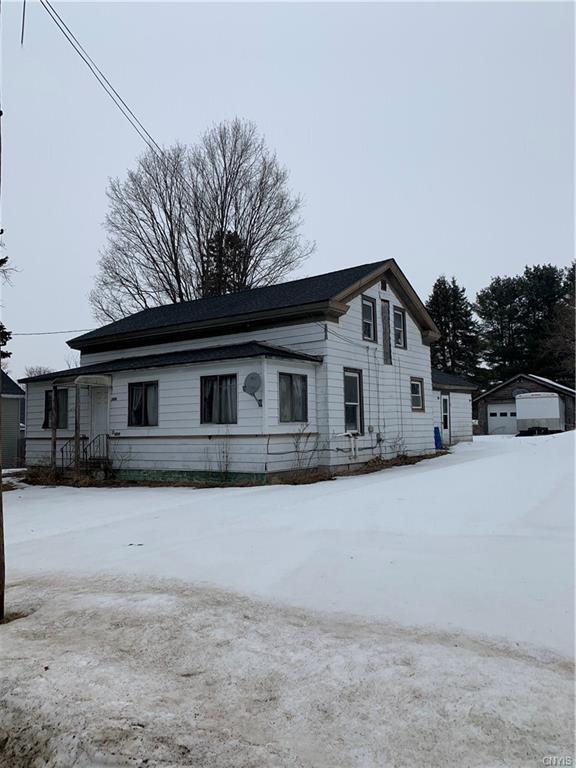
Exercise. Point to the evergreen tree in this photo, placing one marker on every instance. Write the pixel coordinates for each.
(5, 335)
(457, 350)
(560, 341)
(518, 318)
(226, 264)
(501, 312)
(543, 288)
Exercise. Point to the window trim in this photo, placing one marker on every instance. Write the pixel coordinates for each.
(293, 421)
(47, 420)
(372, 302)
(386, 332)
(402, 312)
(420, 381)
(218, 376)
(148, 382)
(358, 373)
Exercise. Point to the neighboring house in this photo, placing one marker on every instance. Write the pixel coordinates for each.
(497, 406)
(452, 406)
(328, 371)
(12, 444)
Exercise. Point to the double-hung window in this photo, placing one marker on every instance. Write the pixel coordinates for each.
(218, 399)
(369, 318)
(293, 397)
(417, 394)
(353, 407)
(399, 327)
(62, 409)
(143, 404)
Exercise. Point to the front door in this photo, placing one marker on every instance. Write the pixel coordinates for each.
(445, 420)
(98, 411)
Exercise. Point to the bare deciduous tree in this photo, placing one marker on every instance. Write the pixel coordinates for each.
(201, 221)
(36, 370)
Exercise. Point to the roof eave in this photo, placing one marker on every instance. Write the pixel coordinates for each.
(535, 379)
(402, 286)
(330, 309)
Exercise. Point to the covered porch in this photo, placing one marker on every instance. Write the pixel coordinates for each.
(88, 448)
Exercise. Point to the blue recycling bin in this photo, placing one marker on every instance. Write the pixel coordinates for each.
(437, 439)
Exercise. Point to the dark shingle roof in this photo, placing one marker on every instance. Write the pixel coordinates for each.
(309, 290)
(207, 354)
(10, 387)
(447, 380)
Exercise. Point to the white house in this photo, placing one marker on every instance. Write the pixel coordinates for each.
(328, 371)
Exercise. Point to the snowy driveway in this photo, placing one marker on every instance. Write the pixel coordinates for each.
(480, 540)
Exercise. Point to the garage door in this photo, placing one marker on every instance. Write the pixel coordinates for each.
(502, 418)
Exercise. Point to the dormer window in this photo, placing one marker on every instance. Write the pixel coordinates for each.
(368, 318)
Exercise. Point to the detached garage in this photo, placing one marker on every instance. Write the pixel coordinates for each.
(497, 406)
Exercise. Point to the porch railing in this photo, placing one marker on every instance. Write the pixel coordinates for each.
(92, 454)
(96, 450)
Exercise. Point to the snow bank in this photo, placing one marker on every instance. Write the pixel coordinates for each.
(115, 672)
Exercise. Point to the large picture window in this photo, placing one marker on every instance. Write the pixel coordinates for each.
(143, 404)
(62, 399)
(399, 327)
(293, 397)
(218, 399)
(368, 318)
(353, 406)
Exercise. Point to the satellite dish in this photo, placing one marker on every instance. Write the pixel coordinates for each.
(252, 383)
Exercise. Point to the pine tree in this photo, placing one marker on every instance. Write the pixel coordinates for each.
(5, 335)
(518, 318)
(560, 337)
(225, 265)
(543, 287)
(500, 309)
(457, 350)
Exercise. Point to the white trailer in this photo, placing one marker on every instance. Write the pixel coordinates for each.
(539, 412)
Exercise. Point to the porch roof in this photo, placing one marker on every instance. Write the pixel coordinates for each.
(184, 357)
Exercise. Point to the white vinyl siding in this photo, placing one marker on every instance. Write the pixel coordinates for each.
(260, 441)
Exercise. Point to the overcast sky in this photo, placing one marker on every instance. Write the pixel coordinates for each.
(437, 134)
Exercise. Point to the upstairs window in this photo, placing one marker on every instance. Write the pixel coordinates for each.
(399, 327)
(143, 404)
(62, 402)
(417, 394)
(353, 407)
(219, 399)
(368, 318)
(293, 396)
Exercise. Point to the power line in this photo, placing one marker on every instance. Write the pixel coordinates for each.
(101, 78)
(52, 333)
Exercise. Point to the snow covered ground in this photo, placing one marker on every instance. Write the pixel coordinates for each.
(480, 540)
(181, 626)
